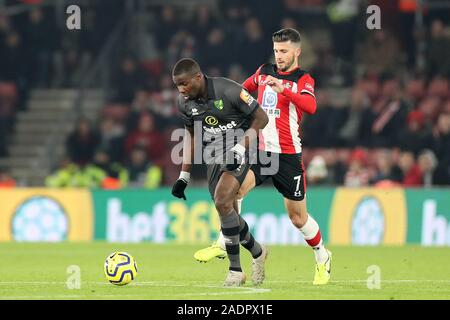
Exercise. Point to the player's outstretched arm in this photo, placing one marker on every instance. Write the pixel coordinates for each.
(188, 154)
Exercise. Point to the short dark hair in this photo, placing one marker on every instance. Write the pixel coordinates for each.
(186, 65)
(287, 34)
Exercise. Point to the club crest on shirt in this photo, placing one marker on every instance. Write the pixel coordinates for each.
(218, 104)
(246, 97)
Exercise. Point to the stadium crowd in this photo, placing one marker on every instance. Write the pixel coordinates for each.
(383, 118)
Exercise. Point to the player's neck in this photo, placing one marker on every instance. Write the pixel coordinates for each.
(204, 91)
(291, 68)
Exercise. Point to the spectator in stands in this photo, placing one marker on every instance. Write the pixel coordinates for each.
(63, 176)
(82, 142)
(141, 104)
(236, 73)
(256, 43)
(320, 129)
(386, 117)
(112, 139)
(142, 173)
(415, 89)
(69, 67)
(116, 176)
(343, 16)
(233, 24)
(40, 45)
(439, 49)
(5, 29)
(167, 24)
(202, 22)
(6, 180)
(317, 172)
(162, 104)
(385, 169)
(71, 175)
(129, 80)
(439, 87)
(412, 175)
(351, 128)
(441, 147)
(308, 56)
(212, 54)
(415, 136)
(357, 174)
(182, 44)
(381, 53)
(13, 63)
(3, 135)
(146, 135)
(8, 103)
(430, 107)
(336, 167)
(427, 163)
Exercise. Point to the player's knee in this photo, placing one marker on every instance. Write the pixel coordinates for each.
(223, 204)
(298, 220)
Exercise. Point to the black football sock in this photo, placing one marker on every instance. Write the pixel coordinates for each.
(230, 230)
(247, 240)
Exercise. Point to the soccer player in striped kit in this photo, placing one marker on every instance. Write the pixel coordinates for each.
(285, 92)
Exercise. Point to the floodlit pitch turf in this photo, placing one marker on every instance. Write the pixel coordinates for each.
(39, 271)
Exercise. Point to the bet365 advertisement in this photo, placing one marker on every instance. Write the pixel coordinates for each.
(346, 216)
(136, 215)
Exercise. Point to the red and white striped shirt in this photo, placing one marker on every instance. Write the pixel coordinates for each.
(281, 134)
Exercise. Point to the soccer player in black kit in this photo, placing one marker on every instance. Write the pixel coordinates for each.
(219, 106)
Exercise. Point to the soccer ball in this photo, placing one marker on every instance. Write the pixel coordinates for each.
(120, 268)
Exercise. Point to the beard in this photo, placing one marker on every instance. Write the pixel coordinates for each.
(287, 65)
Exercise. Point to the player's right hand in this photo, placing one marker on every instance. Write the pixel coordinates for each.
(178, 188)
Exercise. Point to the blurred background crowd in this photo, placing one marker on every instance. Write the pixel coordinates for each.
(383, 96)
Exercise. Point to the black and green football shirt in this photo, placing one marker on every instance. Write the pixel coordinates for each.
(222, 117)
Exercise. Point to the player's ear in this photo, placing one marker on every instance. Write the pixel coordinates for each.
(298, 52)
(198, 76)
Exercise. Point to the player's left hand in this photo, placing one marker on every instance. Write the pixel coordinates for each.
(234, 158)
(274, 83)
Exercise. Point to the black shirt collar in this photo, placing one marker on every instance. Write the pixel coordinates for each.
(210, 88)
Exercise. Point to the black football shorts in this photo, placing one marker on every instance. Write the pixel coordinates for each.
(288, 176)
(214, 172)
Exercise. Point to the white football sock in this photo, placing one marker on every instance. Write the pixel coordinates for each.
(311, 233)
(221, 241)
(239, 205)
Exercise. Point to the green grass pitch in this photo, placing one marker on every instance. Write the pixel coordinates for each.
(169, 271)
